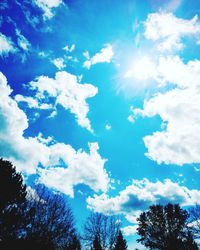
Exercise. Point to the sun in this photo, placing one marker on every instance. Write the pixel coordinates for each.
(142, 68)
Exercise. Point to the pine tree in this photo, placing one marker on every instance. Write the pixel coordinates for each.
(121, 243)
(12, 198)
(96, 243)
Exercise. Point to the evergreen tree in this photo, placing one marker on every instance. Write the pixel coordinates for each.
(12, 198)
(96, 243)
(121, 243)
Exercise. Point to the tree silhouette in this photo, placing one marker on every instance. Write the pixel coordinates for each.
(52, 219)
(33, 218)
(12, 198)
(165, 228)
(121, 243)
(105, 228)
(96, 243)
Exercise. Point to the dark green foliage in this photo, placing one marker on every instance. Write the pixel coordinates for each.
(12, 198)
(121, 243)
(165, 228)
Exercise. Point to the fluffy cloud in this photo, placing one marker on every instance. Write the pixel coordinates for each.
(47, 6)
(139, 196)
(104, 56)
(179, 108)
(129, 230)
(83, 168)
(63, 166)
(26, 153)
(168, 30)
(66, 91)
(6, 45)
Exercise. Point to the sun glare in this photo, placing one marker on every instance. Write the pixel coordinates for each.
(142, 69)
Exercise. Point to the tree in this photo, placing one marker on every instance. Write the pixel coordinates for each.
(52, 219)
(96, 243)
(194, 220)
(105, 228)
(12, 199)
(165, 228)
(121, 243)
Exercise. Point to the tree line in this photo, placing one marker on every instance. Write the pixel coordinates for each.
(39, 218)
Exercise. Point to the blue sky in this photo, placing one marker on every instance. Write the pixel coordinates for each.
(100, 101)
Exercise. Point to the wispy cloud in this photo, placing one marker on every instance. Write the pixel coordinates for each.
(48, 6)
(104, 56)
(6, 45)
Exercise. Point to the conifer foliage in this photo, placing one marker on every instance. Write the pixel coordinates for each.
(121, 243)
(12, 199)
(96, 244)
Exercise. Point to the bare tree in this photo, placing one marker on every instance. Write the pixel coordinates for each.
(104, 228)
(194, 220)
(52, 219)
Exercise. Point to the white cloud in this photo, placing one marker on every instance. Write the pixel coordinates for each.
(47, 6)
(108, 127)
(22, 41)
(32, 102)
(104, 56)
(168, 30)
(59, 63)
(6, 45)
(129, 230)
(83, 168)
(69, 49)
(179, 108)
(63, 166)
(26, 153)
(68, 92)
(139, 196)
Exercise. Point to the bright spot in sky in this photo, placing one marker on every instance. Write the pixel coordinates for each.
(142, 69)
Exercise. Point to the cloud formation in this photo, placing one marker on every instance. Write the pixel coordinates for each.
(59, 63)
(48, 6)
(6, 45)
(104, 56)
(22, 41)
(83, 168)
(179, 109)
(141, 194)
(168, 30)
(63, 166)
(65, 90)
